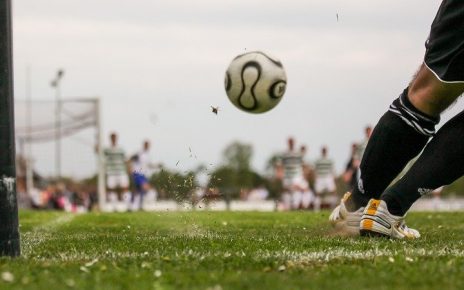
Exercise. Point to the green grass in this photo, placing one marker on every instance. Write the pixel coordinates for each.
(231, 250)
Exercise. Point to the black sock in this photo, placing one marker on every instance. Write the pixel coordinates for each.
(441, 163)
(399, 136)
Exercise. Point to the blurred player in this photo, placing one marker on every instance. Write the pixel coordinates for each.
(117, 179)
(351, 168)
(325, 178)
(363, 144)
(141, 169)
(291, 163)
(403, 132)
(357, 150)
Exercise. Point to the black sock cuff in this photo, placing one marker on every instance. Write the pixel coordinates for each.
(422, 123)
(404, 98)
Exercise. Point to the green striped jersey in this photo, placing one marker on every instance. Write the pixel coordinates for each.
(324, 166)
(115, 161)
(293, 165)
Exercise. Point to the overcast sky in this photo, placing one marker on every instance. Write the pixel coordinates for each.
(158, 66)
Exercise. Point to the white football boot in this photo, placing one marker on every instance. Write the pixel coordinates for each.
(378, 221)
(344, 221)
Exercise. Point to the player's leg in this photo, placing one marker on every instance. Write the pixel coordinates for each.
(441, 163)
(307, 198)
(286, 199)
(438, 84)
(146, 187)
(332, 189)
(306, 194)
(126, 194)
(428, 96)
(135, 191)
(296, 199)
(111, 185)
(398, 137)
(403, 131)
(318, 190)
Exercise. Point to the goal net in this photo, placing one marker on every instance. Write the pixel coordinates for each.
(59, 139)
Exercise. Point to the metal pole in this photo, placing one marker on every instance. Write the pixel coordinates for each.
(56, 84)
(101, 188)
(9, 233)
(29, 165)
(58, 132)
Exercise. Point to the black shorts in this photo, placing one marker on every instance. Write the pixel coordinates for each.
(444, 54)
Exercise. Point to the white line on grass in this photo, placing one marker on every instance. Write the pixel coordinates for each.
(42, 233)
(344, 254)
(296, 258)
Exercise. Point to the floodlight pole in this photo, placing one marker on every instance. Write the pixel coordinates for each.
(9, 233)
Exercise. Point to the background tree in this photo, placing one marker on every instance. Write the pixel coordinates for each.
(238, 156)
(174, 185)
(236, 174)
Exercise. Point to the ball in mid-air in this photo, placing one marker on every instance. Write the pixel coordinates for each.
(255, 82)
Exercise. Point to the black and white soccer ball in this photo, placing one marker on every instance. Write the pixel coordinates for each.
(255, 82)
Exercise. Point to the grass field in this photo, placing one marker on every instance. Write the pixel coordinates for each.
(228, 250)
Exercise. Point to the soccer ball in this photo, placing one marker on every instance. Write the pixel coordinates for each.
(255, 82)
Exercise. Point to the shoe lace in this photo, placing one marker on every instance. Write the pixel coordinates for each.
(402, 225)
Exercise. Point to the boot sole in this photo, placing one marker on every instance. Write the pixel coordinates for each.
(369, 233)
